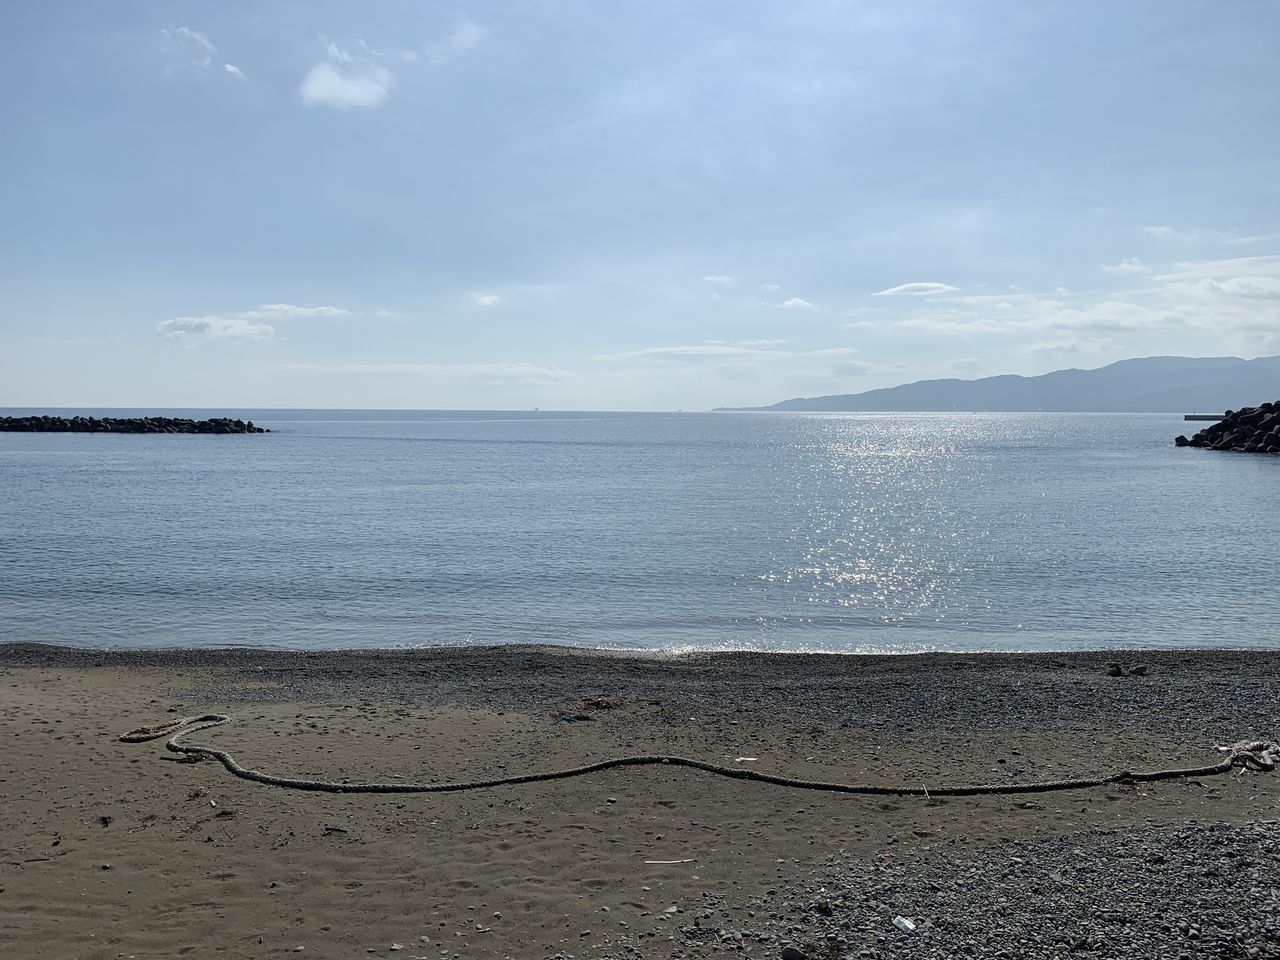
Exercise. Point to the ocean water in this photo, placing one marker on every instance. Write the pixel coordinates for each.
(835, 532)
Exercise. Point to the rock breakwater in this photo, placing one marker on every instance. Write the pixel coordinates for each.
(46, 424)
(1248, 430)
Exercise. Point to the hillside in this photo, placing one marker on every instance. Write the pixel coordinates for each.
(1142, 385)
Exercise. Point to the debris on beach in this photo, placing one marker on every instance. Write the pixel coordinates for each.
(568, 716)
(1118, 670)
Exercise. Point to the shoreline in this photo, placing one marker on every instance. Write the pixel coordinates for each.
(23, 648)
(153, 858)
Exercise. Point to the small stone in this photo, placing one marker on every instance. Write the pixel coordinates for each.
(792, 953)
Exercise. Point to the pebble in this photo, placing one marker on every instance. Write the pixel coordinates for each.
(1132, 894)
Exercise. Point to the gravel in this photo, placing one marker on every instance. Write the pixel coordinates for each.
(1191, 892)
(1193, 691)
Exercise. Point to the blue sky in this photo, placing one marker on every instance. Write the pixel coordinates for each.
(625, 205)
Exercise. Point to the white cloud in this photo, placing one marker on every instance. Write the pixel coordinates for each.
(1223, 269)
(1072, 345)
(486, 299)
(1264, 288)
(833, 352)
(1127, 265)
(243, 325)
(923, 288)
(718, 278)
(771, 287)
(336, 53)
(1235, 300)
(693, 351)
(714, 350)
(184, 48)
(797, 303)
(490, 374)
(346, 88)
(234, 71)
(1035, 314)
(213, 328)
(1198, 234)
(289, 311)
(1268, 287)
(1256, 238)
(466, 36)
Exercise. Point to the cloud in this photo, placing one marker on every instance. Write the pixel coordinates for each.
(694, 351)
(967, 365)
(924, 288)
(1264, 288)
(1035, 314)
(213, 328)
(1198, 234)
(289, 311)
(1236, 300)
(360, 86)
(488, 374)
(1072, 345)
(1256, 238)
(486, 299)
(797, 303)
(771, 287)
(244, 324)
(186, 49)
(713, 350)
(234, 71)
(336, 53)
(752, 360)
(1128, 265)
(466, 36)
(1223, 269)
(718, 278)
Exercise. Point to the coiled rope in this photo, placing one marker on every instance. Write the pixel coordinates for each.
(1253, 755)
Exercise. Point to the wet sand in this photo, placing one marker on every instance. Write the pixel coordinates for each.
(113, 850)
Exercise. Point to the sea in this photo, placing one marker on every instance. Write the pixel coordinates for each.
(848, 533)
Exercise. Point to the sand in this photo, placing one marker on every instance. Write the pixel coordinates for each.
(111, 850)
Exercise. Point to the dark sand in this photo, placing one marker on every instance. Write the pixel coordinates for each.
(109, 850)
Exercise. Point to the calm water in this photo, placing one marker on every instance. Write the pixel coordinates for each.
(725, 531)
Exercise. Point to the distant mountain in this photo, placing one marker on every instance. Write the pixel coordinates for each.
(1143, 385)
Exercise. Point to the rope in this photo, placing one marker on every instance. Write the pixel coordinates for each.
(1252, 755)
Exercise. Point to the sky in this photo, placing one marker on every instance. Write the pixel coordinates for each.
(656, 205)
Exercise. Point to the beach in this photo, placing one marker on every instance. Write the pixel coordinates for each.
(113, 850)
